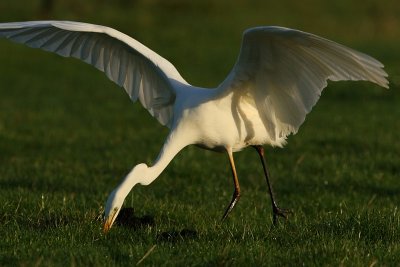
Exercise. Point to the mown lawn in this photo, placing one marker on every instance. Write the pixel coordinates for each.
(68, 135)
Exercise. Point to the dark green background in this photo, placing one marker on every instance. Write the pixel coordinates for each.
(68, 135)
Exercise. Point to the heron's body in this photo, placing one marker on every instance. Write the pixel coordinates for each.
(277, 79)
(200, 110)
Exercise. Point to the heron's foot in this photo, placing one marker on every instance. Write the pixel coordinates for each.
(278, 212)
(234, 200)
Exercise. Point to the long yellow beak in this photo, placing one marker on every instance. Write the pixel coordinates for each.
(107, 225)
(109, 221)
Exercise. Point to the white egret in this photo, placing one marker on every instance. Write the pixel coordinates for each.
(277, 79)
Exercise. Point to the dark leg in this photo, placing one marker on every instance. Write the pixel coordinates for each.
(236, 193)
(275, 209)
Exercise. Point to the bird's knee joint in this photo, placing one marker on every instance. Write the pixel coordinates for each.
(237, 194)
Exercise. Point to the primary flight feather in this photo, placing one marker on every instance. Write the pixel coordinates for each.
(277, 79)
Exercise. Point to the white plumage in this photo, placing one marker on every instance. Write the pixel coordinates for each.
(277, 79)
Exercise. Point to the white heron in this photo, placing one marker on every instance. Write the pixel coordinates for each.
(277, 79)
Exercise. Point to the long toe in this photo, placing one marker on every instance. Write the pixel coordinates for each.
(278, 212)
(228, 210)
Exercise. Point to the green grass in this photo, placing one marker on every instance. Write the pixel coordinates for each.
(68, 135)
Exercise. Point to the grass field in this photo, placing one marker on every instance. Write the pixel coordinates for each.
(68, 135)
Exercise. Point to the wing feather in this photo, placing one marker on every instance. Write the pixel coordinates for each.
(285, 71)
(143, 73)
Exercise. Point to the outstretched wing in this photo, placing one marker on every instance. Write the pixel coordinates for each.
(285, 70)
(144, 74)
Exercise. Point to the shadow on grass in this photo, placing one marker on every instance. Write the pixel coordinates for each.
(126, 218)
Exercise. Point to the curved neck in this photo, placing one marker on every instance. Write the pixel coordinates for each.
(145, 175)
(171, 147)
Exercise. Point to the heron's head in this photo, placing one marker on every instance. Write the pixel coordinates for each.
(117, 197)
(113, 206)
